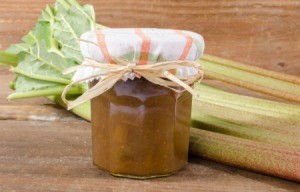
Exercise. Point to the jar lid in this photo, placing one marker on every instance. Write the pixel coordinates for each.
(141, 46)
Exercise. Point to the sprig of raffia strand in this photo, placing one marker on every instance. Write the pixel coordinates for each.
(109, 74)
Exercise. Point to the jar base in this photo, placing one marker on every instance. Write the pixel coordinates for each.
(136, 176)
(139, 177)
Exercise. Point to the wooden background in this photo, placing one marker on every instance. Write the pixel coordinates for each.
(260, 32)
(45, 148)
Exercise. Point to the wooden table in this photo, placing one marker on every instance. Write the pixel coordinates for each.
(45, 148)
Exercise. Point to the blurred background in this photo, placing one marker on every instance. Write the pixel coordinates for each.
(264, 33)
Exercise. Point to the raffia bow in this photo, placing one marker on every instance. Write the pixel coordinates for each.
(157, 73)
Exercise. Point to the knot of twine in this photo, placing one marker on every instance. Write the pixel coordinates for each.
(109, 74)
(131, 66)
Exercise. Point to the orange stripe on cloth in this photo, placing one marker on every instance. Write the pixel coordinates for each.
(188, 45)
(103, 47)
(146, 43)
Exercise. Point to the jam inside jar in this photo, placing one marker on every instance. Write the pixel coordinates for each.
(140, 129)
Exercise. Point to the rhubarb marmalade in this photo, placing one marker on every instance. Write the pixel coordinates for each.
(140, 129)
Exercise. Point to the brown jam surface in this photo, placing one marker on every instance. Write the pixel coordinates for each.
(140, 129)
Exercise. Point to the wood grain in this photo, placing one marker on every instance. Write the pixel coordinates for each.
(39, 156)
(45, 148)
(262, 33)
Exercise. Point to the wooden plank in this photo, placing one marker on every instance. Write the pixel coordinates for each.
(51, 112)
(262, 33)
(54, 153)
(39, 156)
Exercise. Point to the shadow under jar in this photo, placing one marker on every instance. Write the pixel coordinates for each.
(140, 129)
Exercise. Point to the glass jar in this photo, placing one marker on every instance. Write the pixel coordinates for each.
(140, 129)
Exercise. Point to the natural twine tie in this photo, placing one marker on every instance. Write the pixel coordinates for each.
(109, 74)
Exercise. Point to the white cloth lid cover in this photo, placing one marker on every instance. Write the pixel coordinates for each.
(142, 46)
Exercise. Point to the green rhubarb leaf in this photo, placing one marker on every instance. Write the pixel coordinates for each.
(24, 84)
(43, 31)
(70, 26)
(62, 6)
(49, 48)
(38, 63)
(17, 48)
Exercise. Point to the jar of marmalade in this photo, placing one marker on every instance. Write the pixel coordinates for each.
(141, 129)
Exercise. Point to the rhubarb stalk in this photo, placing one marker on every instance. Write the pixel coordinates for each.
(254, 78)
(249, 111)
(253, 132)
(8, 59)
(275, 160)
